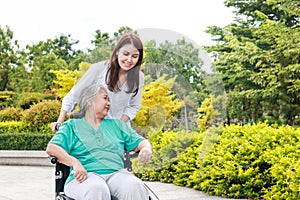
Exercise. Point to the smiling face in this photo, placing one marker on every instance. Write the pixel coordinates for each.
(101, 104)
(128, 57)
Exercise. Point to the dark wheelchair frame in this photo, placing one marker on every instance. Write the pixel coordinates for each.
(62, 172)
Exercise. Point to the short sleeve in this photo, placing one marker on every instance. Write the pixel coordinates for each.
(64, 137)
(131, 138)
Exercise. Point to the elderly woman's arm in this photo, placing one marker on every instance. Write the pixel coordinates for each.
(62, 156)
(145, 151)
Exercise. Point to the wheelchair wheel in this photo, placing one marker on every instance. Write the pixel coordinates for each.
(63, 197)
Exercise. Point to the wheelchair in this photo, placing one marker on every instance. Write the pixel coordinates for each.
(62, 172)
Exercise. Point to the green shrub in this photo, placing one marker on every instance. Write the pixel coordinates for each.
(167, 147)
(10, 114)
(14, 127)
(26, 99)
(22, 127)
(284, 159)
(251, 162)
(42, 113)
(187, 163)
(6, 99)
(24, 141)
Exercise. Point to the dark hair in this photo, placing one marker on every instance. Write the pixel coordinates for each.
(133, 75)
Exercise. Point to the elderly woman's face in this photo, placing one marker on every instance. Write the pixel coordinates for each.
(101, 103)
(128, 56)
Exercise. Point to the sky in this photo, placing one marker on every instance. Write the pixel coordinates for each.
(38, 20)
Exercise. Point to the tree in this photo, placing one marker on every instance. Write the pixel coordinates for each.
(174, 59)
(103, 47)
(178, 59)
(62, 47)
(10, 61)
(104, 44)
(41, 78)
(258, 57)
(158, 104)
(53, 54)
(66, 79)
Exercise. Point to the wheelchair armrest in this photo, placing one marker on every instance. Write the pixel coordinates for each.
(133, 154)
(127, 159)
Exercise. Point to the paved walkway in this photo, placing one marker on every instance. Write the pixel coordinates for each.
(34, 182)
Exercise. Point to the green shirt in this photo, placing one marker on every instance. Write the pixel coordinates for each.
(100, 151)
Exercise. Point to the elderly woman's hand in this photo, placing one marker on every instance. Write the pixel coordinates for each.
(145, 155)
(79, 171)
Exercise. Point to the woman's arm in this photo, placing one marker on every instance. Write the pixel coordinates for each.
(60, 120)
(62, 156)
(91, 76)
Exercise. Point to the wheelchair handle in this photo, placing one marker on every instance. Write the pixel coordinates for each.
(57, 125)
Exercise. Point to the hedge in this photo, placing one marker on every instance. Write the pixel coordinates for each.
(253, 161)
(24, 141)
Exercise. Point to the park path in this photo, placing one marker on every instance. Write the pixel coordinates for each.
(37, 182)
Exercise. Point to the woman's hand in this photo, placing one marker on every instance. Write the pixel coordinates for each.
(125, 118)
(61, 118)
(55, 126)
(145, 155)
(79, 171)
(62, 156)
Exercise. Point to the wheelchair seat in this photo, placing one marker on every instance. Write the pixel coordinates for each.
(62, 172)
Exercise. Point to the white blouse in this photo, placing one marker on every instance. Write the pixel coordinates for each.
(120, 102)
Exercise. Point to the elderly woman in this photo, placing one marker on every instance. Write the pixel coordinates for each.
(93, 146)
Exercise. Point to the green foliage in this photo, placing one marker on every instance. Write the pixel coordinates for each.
(65, 80)
(42, 113)
(62, 47)
(187, 163)
(167, 147)
(24, 141)
(285, 164)
(205, 114)
(104, 44)
(211, 112)
(6, 98)
(13, 127)
(178, 59)
(258, 57)
(10, 114)
(252, 161)
(83, 67)
(41, 77)
(158, 102)
(9, 57)
(175, 59)
(26, 99)
(244, 163)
